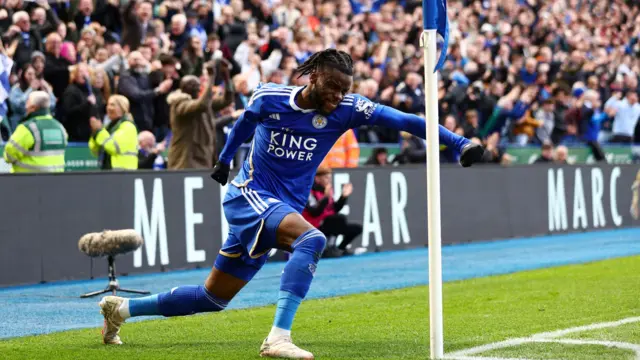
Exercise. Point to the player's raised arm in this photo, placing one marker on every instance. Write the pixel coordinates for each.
(367, 112)
(244, 127)
(398, 120)
(241, 131)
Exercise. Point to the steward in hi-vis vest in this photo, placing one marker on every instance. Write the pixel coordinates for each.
(39, 142)
(116, 146)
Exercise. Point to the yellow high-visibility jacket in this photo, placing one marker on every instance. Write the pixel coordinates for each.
(118, 143)
(37, 144)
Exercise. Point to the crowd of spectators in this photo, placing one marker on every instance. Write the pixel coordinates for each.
(517, 71)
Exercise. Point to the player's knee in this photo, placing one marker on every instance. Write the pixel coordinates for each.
(242, 267)
(312, 241)
(209, 302)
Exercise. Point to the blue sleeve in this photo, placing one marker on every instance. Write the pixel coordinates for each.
(518, 111)
(364, 112)
(244, 127)
(394, 119)
(355, 7)
(367, 113)
(398, 120)
(377, 4)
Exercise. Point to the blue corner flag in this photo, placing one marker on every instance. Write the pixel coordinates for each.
(434, 17)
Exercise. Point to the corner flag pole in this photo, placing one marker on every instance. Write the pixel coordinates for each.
(434, 17)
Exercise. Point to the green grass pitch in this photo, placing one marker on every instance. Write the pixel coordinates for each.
(393, 324)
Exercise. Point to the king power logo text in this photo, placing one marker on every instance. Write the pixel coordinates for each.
(290, 146)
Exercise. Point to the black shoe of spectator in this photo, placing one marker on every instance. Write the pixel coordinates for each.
(473, 153)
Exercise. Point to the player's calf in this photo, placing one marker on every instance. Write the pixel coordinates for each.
(182, 300)
(299, 271)
(188, 300)
(294, 286)
(179, 301)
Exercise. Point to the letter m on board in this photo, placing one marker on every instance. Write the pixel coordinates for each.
(557, 209)
(153, 229)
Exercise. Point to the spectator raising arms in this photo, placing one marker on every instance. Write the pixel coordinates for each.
(168, 71)
(516, 73)
(194, 128)
(23, 38)
(135, 86)
(137, 23)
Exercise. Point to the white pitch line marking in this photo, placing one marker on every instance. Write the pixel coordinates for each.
(616, 344)
(551, 336)
(596, 326)
(486, 347)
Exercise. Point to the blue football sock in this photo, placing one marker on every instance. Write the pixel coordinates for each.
(187, 300)
(449, 138)
(297, 276)
(287, 307)
(147, 305)
(298, 273)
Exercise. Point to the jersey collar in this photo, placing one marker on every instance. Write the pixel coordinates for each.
(292, 100)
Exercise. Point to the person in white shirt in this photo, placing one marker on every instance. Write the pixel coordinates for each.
(625, 112)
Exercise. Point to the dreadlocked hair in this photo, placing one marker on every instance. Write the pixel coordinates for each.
(337, 59)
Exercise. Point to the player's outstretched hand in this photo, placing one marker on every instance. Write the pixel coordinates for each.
(220, 173)
(473, 153)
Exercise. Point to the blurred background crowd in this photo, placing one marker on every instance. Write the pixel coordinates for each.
(518, 72)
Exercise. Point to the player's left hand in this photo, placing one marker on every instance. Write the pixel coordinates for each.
(220, 173)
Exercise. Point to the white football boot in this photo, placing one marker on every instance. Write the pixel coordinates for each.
(109, 306)
(282, 347)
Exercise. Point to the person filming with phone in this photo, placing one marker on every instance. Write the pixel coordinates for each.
(322, 212)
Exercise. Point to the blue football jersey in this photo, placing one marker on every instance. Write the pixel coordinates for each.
(289, 143)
